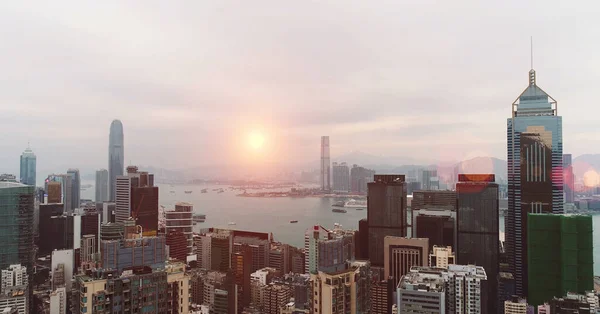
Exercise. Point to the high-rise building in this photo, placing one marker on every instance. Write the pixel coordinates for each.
(139, 289)
(116, 156)
(573, 303)
(63, 266)
(400, 254)
(478, 230)
(179, 288)
(15, 289)
(101, 186)
(28, 167)
(180, 219)
(441, 257)
(535, 148)
(386, 213)
(240, 263)
(328, 250)
(341, 177)
(54, 192)
(137, 197)
(325, 164)
(568, 178)
(58, 301)
(177, 243)
(345, 291)
(275, 296)
(559, 257)
(76, 189)
(438, 290)
(16, 239)
(359, 178)
(516, 305)
(221, 245)
(133, 252)
(434, 217)
(382, 296)
(429, 179)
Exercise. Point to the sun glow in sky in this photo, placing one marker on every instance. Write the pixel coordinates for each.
(256, 140)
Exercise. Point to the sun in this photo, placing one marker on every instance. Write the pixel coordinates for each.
(256, 140)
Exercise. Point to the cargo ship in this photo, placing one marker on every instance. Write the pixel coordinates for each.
(338, 210)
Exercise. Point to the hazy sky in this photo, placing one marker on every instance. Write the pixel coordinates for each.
(191, 79)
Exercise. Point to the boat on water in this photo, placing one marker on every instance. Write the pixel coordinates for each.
(171, 191)
(351, 203)
(199, 217)
(231, 223)
(339, 210)
(220, 191)
(188, 192)
(293, 221)
(360, 208)
(204, 191)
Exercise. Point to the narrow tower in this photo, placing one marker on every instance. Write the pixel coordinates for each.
(116, 156)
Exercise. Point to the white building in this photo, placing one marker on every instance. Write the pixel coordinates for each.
(14, 293)
(437, 290)
(62, 265)
(58, 301)
(515, 306)
(15, 275)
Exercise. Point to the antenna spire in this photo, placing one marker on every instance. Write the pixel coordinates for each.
(531, 41)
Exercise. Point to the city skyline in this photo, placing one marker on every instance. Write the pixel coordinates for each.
(291, 88)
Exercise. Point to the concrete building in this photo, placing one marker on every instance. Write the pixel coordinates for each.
(14, 292)
(116, 157)
(53, 189)
(28, 167)
(535, 149)
(58, 301)
(63, 266)
(341, 177)
(345, 291)
(135, 252)
(180, 219)
(178, 288)
(386, 213)
(429, 179)
(328, 250)
(135, 289)
(137, 198)
(478, 229)
(325, 177)
(101, 186)
(441, 257)
(16, 240)
(382, 296)
(438, 290)
(517, 305)
(275, 296)
(434, 217)
(400, 254)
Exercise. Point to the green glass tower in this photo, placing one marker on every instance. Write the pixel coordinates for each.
(560, 256)
(16, 224)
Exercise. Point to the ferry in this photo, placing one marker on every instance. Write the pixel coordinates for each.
(204, 191)
(293, 221)
(188, 192)
(199, 217)
(231, 223)
(351, 204)
(339, 210)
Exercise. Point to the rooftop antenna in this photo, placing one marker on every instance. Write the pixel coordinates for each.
(531, 40)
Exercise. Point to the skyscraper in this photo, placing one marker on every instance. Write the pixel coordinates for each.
(477, 230)
(28, 167)
(325, 164)
(16, 239)
(359, 178)
(341, 177)
(535, 181)
(400, 254)
(568, 178)
(101, 186)
(116, 155)
(386, 213)
(180, 220)
(137, 197)
(76, 188)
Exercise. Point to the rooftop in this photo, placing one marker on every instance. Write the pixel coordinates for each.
(9, 184)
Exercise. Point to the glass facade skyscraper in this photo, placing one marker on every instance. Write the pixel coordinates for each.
(535, 177)
(116, 156)
(16, 233)
(28, 167)
(325, 177)
(75, 188)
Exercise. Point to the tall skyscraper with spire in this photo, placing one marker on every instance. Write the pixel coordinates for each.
(28, 167)
(535, 178)
(325, 164)
(116, 156)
